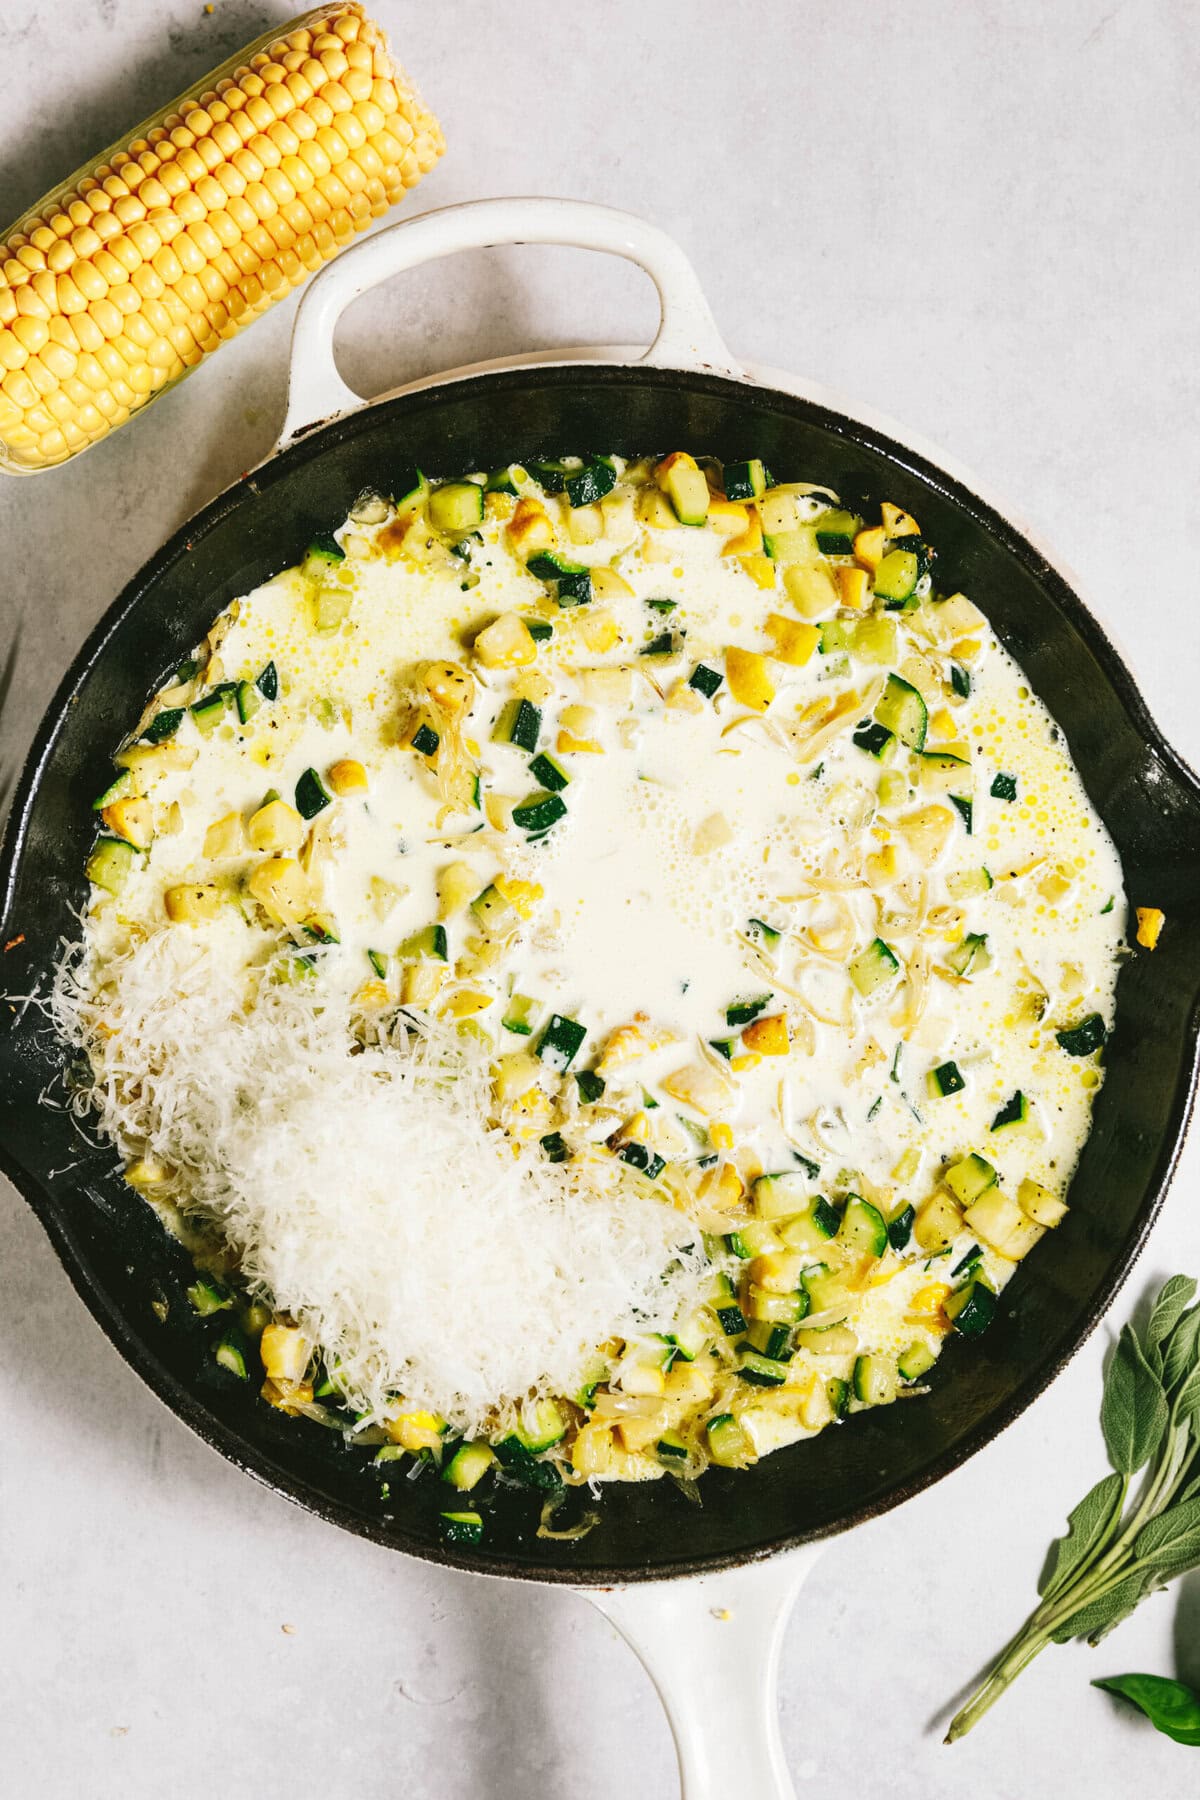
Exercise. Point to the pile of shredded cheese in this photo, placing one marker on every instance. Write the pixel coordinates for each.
(362, 1189)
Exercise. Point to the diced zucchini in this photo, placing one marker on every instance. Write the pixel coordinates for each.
(762, 1370)
(593, 481)
(572, 581)
(520, 723)
(811, 1227)
(1085, 1038)
(896, 578)
(456, 507)
(520, 1013)
(745, 480)
(968, 1178)
(900, 1227)
(425, 740)
(671, 1449)
(560, 1042)
(728, 1443)
(662, 645)
(874, 1380)
(539, 630)
(312, 796)
(1013, 1112)
(208, 711)
(915, 1360)
(763, 933)
(942, 770)
(875, 639)
(863, 1230)
(945, 1080)
(590, 1085)
(542, 1425)
(552, 473)
(827, 1340)
(110, 863)
(974, 1255)
(539, 812)
(230, 1353)
(547, 770)
(824, 1287)
(1004, 787)
(507, 480)
(724, 1302)
(163, 725)
(994, 1218)
(123, 788)
(249, 700)
(960, 680)
(967, 884)
(461, 1527)
(839, 1396)
(555, 1147)
(647, 1162)
(781, 1196)
(873, 967)
(938, 1223)
(836, 531)
(468, 1466)
(706, 681)
(686, 487)
(379, 961)
(972, 956)
(966, 809)
(741, 1012)
(835, 638)
(971, 1308)
(330, 608)
(209, 1296)
(426, 945)
(323, 553)
(903, 711)
(1043, 1207)
(875, 739)
(267, 682)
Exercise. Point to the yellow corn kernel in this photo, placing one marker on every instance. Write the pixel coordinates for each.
(749, 678)
(466, 1002)
(869, 547)
(576, 726)
(275, 826)
(928, 1300)
(769, 1037)
(506, 643)
(729, 517)
(760, 569)
(748, 542)
(530, 1113)
(373, 995)
(522, 896)
(284, 1351)
(193, 902)
(907, 1165)
(1150, 921)
(794, 641)
(530, 529)
(721, 1135)
(747, 1060)
(224, 837)
(131, 819)
(852, 587)
(897, 523)
(234, 193)
(416, 1430)
(942, 723)
(347, 777)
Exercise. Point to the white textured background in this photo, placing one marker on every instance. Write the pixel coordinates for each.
(979, 217)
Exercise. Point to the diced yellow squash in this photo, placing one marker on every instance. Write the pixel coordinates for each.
(688, 1382)
(620, 521)
(608, 585)
(655, 510)
(585, 524)
(416, 1430)
(994, 1217)
(928, 1300)
(506, 643)
(745, 1061)
(146, 1172)
(499, 506)
(760, 569)
(465, 1003)
(700, 1086)
(957, 613)
(883, 866)
(794, 640)
(149, 761)
(852, 587)
(347, 776)
(577, 725)
(275, 826)
(515, 1073)
(420, 982)
(927, 831)
(876, 638)
(284, 1351)
(612, 687)
(729, 517)
(630, 1042)
(1043, 1207)
(811, 589)
(749, 678)
(530, 529)
(897, 523)
(942, 723)
(457, 886)
(131, 819)
(686, 486)
(193, 902)
(938, 1222)
(598, 630)
(721, 1134)
(522, 896)
(748, 542)
(372, 996)
(640, 1433)
(767, 1037)
(683, 697)
(721, 1188)
(779, 1270)
(225, 837)
(869, 547)
(1150, 921)
(712, 834)
(281, 886)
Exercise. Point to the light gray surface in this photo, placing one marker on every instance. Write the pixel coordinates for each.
(979, 218)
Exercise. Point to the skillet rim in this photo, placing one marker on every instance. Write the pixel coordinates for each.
(182, 1400)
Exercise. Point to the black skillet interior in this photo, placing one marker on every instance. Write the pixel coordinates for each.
(124, 1265)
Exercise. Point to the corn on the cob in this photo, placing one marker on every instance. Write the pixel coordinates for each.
(121, 280)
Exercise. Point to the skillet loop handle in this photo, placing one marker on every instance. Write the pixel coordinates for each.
(687, 336)
(711, 1647)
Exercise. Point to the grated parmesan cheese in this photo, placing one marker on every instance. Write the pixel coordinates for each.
(362, 1188)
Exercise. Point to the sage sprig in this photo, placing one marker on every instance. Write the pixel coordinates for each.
(1170, 1706)
(1121, 1546)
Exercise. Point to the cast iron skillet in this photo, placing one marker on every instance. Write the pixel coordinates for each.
(125, 1267)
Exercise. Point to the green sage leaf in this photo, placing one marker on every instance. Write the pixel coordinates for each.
(1187, 1400)
(1089, 1524)
(1175, 1297)
(1182, 1348)
(1172, 1537)
(1170, 1706)
(1102, 1613)
(1133, 1412)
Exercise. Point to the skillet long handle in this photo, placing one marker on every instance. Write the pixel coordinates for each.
(711, 1646)
(687, 338)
